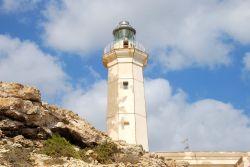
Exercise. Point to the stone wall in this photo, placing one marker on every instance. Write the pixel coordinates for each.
(211, 159)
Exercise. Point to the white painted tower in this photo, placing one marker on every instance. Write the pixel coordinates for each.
(125, 59)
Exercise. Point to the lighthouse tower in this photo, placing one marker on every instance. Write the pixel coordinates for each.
(125, 59)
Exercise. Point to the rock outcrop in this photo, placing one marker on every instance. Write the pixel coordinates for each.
(23, 113)
(25, 122)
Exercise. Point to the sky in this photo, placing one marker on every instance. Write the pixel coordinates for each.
(196, 81)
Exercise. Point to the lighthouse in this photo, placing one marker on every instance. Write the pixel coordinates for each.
(125, 60)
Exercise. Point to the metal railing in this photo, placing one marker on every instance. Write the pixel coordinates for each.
(119, 45)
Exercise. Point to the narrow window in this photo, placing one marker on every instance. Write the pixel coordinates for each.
(125, 84)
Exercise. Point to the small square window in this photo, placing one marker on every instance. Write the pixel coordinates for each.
(125, 84)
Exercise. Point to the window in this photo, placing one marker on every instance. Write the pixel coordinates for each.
(125, 84)
(125, 123)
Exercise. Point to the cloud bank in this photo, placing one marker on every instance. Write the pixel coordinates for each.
(179, 34)
(208, 124)
(24, 62)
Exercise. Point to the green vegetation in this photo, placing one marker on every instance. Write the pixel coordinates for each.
(105, 152)
(57, 146)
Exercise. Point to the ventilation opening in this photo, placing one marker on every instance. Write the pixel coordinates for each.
(125, 84)
(125, 44)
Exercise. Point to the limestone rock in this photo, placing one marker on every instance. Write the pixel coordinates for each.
(1, 134)
(19, 91)
(182, 164)
(74, 128)
(89, 152)
(24, 142)
(22, 113)
(173, 163)
(132, 149)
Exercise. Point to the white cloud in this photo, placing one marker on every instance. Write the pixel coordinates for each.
(180, 34)
(246, 61)
(11, 6)
(235, 17)
(208, 124)
(89, 104)
(24, 62)
(245, 75)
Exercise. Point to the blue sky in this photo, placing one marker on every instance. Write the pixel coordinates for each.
(197, 78)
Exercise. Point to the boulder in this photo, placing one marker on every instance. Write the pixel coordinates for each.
(19, 91)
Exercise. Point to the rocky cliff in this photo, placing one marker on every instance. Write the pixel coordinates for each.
(26, 123)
